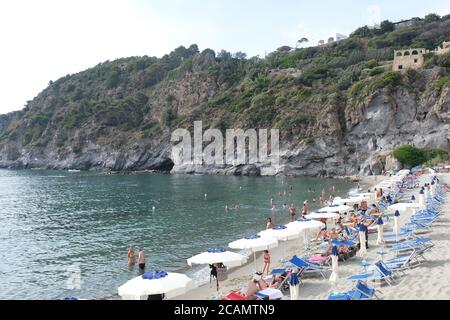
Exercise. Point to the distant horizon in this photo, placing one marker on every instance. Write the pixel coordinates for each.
(46, 47)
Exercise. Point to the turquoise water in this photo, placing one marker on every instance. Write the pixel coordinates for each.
(53, 222)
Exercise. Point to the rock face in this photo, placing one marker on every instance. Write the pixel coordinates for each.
(344, 139)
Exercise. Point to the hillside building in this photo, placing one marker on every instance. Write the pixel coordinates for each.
(407, 23)
(414, 58)
(444, 48)
(408, 59)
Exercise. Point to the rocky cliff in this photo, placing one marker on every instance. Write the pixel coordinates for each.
(338, 114)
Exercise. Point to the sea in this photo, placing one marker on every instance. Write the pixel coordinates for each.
(66, 234)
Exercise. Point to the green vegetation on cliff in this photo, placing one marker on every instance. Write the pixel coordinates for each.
(410, 156)
(136, 98)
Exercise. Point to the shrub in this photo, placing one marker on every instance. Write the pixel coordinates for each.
(391, 78)
(356, 89)
(444, 60)
(375, 71)
(409, 155)
(113, 79)
(412, 75)
(443, 82)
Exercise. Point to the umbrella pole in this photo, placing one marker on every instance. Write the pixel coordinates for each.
(254, 259)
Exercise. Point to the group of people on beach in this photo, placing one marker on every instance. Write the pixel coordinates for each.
(140, 258)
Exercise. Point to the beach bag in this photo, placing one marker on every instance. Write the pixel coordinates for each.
(222, 273)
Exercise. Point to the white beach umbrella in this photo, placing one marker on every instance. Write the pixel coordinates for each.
(403, 206)
(362, 240)
(254, 243)
(336, 208)
(281, 233)
(218, 255)
(294, 286)
(159, 282)
(380, 223)
(334, 264)
(304, 226)
(322, 215)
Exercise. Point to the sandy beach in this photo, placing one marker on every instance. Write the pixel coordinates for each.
(430, 280)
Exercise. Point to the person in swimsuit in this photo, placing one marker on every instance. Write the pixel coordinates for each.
(363, 206)
(141, 259)
(131, 258)
(292, 210)
(305, 208)
(323, 230)
(330, 200)
(256, 284)
(269, 224)
(266, 258)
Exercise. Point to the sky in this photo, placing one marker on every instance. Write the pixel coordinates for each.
(47, 39)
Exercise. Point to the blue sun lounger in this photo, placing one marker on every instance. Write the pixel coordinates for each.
(307, 267)
(361, 292)
(376, 272)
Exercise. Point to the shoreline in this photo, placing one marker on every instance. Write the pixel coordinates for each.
(240, 276)
(350, 178)
(318, 288)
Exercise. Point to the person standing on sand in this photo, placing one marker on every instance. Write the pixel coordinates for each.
(292, 210)
(266, 262)
(131, 258)
(141, 259)
(321, 199)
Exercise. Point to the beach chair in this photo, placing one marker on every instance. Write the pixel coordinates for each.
(360, 292)
(411, 259)
(307, 267)
(402, 236)
(412, 245)
(375, 273)
(388, 273)
(284, 273)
